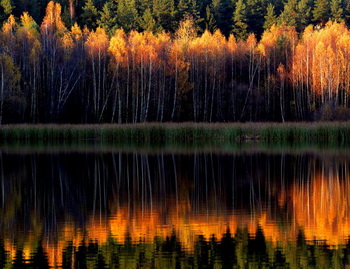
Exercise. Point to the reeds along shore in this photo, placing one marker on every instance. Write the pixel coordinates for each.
(327, 132)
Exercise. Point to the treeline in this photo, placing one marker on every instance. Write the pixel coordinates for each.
(229, 16)
(56, 73)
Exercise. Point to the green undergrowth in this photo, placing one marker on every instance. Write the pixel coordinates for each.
(182, 133)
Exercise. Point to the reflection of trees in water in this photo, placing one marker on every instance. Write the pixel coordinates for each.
(56, 186)
(238, 250)
(281, 193)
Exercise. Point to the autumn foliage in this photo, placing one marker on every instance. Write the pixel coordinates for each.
(81, 75)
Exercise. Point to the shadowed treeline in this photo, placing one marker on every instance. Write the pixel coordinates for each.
(55, 73)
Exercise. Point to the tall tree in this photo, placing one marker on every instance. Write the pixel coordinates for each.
(148, 23)
(6, 8)
(321, 11)
(346, 5)
(108, 18)
(188, 8)
(210, 22)
(289, 14)
(127, 15)
(223, 10)
(9, 80)
(270, 18)
(164, 11)
(30, 47)
(337, 12)
(303, 14)
(240, 21)
(256, 11)
(89, 16)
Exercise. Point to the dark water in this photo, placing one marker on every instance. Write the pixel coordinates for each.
(86, 208)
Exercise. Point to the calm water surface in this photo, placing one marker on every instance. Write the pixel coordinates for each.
(85, 208)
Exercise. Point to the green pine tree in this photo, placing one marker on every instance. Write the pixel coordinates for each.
(210, 23)
(337, 11)
(256, 11)
(346, 5)
(304, 14)
(223, 10)
(321, 12)
(240, 21)
(89, 16)
(164, 12)
(270, 18)
(5, 9)
(127, 15)
(142, 5)
(188, 8)
(289, 14)
(148, 23)
(108, 18)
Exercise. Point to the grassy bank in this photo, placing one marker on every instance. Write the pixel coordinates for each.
(201, 133)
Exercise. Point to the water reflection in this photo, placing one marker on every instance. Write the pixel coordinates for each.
(198, 210)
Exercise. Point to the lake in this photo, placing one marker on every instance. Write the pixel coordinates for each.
(110, 207)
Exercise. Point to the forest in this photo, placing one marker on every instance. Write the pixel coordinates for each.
(130, 61)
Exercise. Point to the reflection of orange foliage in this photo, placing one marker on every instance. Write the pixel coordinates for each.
(320, 208)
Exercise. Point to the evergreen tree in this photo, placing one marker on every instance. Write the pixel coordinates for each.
(89, 16)
(256, 11)
(210, 23)
(337, 11)
(239, 21)
(164, 11)
(142, 5)
(5, 9)
(147, 22)
(188, 8)
(304, 14)
(289, 14)
(127, 15)
(270, 18)
(321, 12)
(346, 13)
(108, 19)
(223, 15)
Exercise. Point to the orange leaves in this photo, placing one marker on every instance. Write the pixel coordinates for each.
(118, 46)
(323, 55)
(144, 47)
(209, 45)
(97, 43)
(231, 44)
(9, 26)
(52, 20)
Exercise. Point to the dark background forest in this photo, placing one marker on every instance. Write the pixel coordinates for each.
(163, 60)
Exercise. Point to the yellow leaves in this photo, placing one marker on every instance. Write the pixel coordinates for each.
(118, 46)
(10, 72)
(186, 31)
(231, 44)
(145, 47)
(52, 20)
(270, 40)
(77, 33)
(262, 49)
(97, 42)
(323, 54)
(251, 41)
(9, 26)
(67, 42)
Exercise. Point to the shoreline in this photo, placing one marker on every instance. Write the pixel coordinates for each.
(182, 133)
